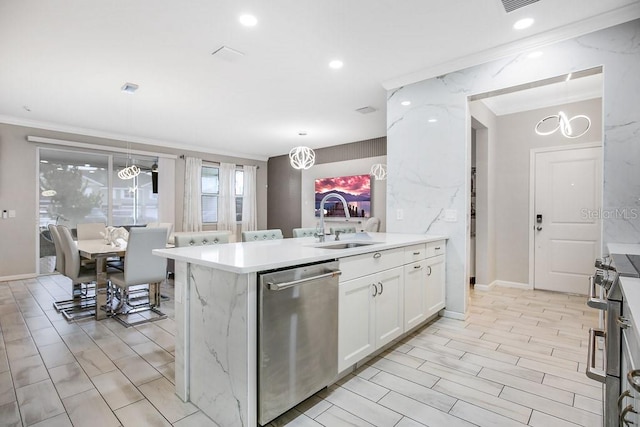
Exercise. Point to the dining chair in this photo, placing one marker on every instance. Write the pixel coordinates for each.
(55, 236)
(304, 232)
(90, 230)
(201, 238)
(82, 303)
(342, 230)
(143, 273)
(372, 224)
(167, 225)
(254, 236)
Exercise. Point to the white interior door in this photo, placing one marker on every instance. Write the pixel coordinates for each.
(567, 202)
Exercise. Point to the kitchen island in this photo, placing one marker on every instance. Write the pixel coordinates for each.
(216, 303)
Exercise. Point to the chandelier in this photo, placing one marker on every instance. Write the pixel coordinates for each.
(560, 121)
(129, 172)
(302, 157)
(379, 171)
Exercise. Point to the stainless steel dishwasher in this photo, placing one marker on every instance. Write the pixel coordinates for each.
(297, 335)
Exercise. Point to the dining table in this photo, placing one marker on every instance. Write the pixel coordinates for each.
(98, 250)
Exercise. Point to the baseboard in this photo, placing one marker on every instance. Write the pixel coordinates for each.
(483, 288)
(506, 284)
(453, 315)
(18, 277)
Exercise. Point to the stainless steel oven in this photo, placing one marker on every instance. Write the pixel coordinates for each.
(606, 295)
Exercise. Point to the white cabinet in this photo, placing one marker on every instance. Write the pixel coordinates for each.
(415, 294)
(435, 284)
(424, 283)
(384, 294)
(371, 314)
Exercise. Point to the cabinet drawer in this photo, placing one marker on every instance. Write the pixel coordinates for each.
(436, 248)
(415, 253)
(369, 263)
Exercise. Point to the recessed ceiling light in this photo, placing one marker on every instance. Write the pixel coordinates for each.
(248, 20)
(129, 87)
(523, 23)
(336, 64)
(534, 55)
(432, 120)
(405, 103)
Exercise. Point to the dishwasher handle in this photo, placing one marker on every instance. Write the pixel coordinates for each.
(273, 286)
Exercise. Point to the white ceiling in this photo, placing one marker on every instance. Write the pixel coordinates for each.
(62, 63)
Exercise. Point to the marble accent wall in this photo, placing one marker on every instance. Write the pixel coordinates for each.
(429, 162)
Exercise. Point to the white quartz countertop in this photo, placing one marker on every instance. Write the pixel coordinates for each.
(250, 257)
(624, 248)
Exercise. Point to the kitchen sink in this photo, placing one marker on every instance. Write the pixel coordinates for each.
(346, 245)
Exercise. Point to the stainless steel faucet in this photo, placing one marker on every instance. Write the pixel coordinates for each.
(322, 202)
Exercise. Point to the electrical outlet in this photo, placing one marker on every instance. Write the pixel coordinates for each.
(399, 214)
(12, 214)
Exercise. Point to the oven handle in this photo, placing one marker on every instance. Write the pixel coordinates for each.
(593, 373)
(594, 301)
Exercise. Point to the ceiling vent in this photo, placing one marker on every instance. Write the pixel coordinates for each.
(511, 5)
(366, 110)
(228, 54)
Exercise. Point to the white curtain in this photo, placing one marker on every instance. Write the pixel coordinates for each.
(227, 197)
(166, 190)
(192, 215)
(249, 215)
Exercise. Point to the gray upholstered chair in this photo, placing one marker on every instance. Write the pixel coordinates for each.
(372, 224)
(201, 238)
(167, 225)
(304, 232)
(81, 304)
(90, 231)
(258, 235)
(343, 230)
(141, 267)
(55, 236)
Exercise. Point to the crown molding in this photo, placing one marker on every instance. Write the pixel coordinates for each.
(605, 20)
(10, 120)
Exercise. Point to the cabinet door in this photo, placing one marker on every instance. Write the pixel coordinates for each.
(389, 305)
(356, 335)
(415, 294)
(435, 284)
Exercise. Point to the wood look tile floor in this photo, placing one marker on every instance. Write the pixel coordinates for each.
(518, 359)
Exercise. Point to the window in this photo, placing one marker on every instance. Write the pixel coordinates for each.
(74, 188)
(210, 193)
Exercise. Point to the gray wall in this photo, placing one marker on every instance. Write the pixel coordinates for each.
(19, 191)
(285, 183)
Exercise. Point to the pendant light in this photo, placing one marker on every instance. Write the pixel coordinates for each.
(379, 171)
(302, 157)
(571, 128)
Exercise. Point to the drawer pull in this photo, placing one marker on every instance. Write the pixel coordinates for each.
(416, 253)
(632, 379)
(624, 394)
(594, 301)
(623, 322)
(417, 267)
(381, 288)
(437, 248)
(623, 415)
(377, 255)
(375, 290)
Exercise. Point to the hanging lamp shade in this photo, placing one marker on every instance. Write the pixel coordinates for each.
(379, 171)
(302, 157)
